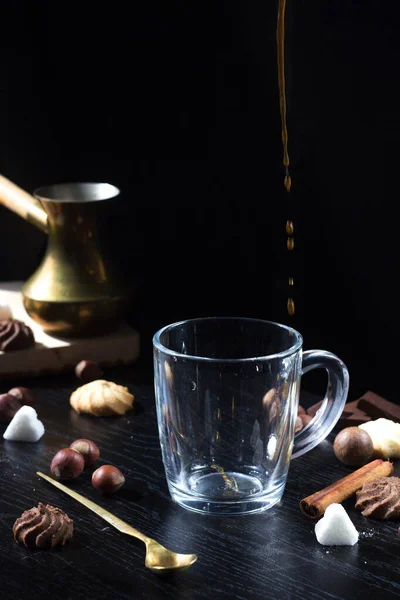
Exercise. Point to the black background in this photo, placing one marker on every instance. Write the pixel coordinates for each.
(176, 103)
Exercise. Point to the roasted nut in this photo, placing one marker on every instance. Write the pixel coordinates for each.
(272, 404)
(305, 419)
(88, 449)
(301, 410)
(88, 370)
(353, 446)
(107, 479)
(9, 405)
(299, 425)
(67, 464)
(24, 395)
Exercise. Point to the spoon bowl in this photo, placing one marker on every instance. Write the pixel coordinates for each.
(158, 558)
(162, 560)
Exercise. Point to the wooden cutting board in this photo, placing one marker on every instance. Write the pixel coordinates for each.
(56, 354)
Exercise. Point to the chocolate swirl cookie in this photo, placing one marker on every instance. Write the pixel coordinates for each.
(43, 527)
(15, 335)
(380, 499)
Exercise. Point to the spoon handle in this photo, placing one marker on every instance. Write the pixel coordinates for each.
(101, 512)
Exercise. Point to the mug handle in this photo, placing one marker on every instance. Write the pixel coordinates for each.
(332, 405)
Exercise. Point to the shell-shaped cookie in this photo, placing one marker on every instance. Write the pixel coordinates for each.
(102, 398)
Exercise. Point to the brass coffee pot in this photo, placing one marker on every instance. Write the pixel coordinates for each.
(75, 290)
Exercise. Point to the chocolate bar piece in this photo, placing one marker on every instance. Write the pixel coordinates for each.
(353, 419)
(377, 407)
(369, 406)
(349, 408)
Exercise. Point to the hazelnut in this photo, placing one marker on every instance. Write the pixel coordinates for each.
(88, 449)
(67, 464)
(88, 371)
(353, 446)
(9, 405)
(305, 419)
(301, 410)
(24, 395)
(299, 425)
(107, 479)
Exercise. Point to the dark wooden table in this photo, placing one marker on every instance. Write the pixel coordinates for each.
(270, 555)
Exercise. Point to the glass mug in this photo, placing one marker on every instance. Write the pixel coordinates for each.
(227, 392)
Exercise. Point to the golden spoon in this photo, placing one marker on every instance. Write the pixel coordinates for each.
(158, 559)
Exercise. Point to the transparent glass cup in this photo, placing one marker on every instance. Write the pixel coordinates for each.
(227, 392)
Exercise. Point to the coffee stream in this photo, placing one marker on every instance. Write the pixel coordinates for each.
(280, 39)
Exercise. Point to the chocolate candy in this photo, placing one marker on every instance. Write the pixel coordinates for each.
(43, 527)
(380, 499)
(15, 335)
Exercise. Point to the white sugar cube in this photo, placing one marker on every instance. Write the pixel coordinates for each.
(335, 528)
(25, 426)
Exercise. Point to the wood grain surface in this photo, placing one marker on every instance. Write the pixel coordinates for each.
(270, 555)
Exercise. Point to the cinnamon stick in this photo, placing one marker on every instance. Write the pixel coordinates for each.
(315, 505)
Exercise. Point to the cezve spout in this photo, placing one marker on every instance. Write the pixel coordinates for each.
(22, 203)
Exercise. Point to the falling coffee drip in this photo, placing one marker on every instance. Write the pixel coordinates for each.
(280, 38)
